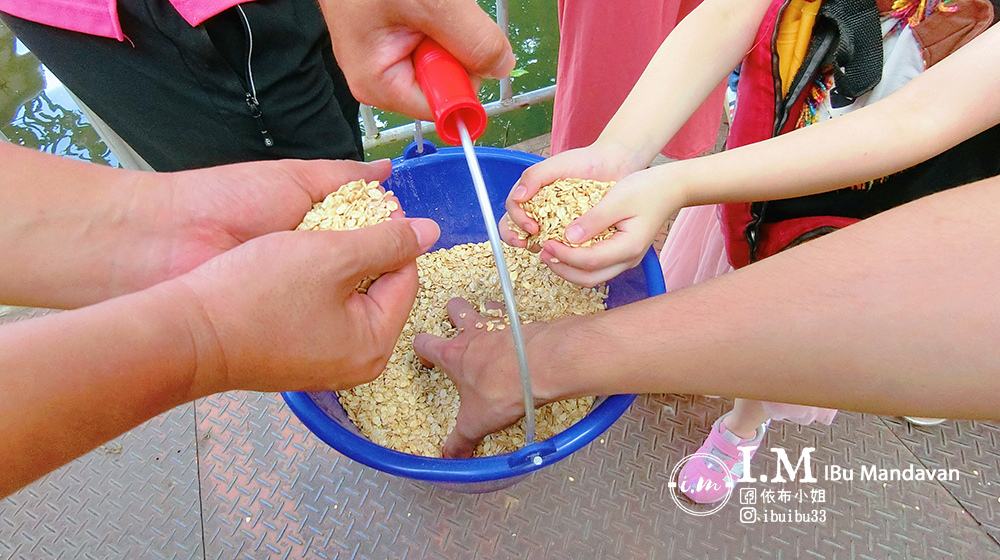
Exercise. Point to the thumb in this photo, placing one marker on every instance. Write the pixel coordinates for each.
(534, 178)
(390, 245)
(474, 39)
(599, 218)
(463, 439)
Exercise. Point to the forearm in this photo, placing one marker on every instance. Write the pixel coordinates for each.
(697, 55)
(896, 314)
(902, 130)
(64, 225)
(76, 379)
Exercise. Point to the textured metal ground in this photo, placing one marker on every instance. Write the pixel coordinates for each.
(237, 476)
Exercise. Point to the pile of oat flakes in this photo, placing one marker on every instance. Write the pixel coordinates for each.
(410, 407)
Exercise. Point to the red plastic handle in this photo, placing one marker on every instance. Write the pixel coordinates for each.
(449, 92)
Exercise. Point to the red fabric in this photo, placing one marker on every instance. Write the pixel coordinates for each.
(603, 49)
(774, 237)
(754, 121)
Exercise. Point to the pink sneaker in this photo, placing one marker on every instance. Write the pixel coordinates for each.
(703, 480)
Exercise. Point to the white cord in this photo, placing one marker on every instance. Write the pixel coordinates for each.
(246, 22)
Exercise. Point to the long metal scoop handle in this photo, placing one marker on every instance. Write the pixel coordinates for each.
(505, 283)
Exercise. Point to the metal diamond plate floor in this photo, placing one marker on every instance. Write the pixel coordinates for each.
(237, 476)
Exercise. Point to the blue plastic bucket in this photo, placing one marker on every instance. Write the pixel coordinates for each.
(437, 184)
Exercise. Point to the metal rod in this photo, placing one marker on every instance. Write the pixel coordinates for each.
(503, 20)
(368, 122)
(506, 285)
(406, 131)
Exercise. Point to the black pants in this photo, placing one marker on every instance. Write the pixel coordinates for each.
(185, 97)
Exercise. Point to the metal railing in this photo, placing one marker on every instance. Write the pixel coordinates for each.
(508, 102)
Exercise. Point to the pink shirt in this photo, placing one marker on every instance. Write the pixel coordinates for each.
(100, 17)
(597, 70)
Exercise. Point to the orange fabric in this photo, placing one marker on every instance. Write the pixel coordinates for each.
(794, 34)
(603, 49)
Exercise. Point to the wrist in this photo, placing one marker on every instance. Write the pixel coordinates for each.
(144, 244)
(678, 187)
(206, 369)
(553, 352)
(624, 156)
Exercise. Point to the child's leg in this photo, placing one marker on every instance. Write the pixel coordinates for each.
(703, 478)
(738, 431)
(745, 418)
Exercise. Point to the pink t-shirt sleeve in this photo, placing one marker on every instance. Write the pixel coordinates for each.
(100, 17)
(93, 17)
(196, 11)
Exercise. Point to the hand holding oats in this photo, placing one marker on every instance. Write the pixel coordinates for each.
(186, 286)
(355, 205)
(303, 325)
(116, 232)
(633, 211)
(590, 231)
(593, 163)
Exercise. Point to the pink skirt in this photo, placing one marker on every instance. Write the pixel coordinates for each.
(695, 250)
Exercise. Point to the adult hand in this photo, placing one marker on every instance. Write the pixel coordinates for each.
(482, 365)
(76, 233)
(279, 312)
(600, 163)
(303, 325)
(184, 219)
(374, 41)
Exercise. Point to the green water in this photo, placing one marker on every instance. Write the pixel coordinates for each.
(40, 117)
(37, 112)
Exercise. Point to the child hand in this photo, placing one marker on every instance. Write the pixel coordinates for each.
(637, 206)
(596, 162)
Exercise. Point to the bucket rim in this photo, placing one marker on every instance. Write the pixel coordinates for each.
(411, 158)
(437, 469)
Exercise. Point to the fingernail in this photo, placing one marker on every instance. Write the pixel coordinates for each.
(427, 232)
(518, 192)
(574, 234)
(507, 63)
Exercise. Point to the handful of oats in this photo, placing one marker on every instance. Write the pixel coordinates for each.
(412, 408)
(556, 205)
(354, 205)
